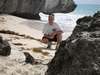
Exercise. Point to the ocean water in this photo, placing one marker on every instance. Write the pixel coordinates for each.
(68, 20)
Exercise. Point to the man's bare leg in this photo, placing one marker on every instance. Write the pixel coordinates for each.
(46, 41)
(59, 38)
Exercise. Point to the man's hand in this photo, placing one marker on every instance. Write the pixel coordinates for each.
(52, 35)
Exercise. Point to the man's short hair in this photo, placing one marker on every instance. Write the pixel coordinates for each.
(51, 14)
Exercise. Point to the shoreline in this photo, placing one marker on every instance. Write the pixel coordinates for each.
(35, 24)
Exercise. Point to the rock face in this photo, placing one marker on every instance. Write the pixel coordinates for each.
(5, 48)
(80, 53)
(32, 8)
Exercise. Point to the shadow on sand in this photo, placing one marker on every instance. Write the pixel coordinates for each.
(46, 48)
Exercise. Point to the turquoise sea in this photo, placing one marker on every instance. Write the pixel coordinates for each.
(86, 9)
(68, 20)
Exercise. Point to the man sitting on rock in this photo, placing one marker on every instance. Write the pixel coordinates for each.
(52, 32)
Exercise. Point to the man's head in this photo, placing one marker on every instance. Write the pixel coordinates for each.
(51, 19)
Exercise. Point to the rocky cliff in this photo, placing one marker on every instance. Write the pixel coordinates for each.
(32, 8)
(80, 53)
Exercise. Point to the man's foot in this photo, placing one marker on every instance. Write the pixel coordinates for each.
(49, 45)
(57, 46)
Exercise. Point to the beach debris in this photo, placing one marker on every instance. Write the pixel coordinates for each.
(45, 53)
(19, 44)
(9, 39)
(23, 35)
(25, 48)
(39, 50)
(8, 32)
(2, 19)
(30, 59)
(5, 48)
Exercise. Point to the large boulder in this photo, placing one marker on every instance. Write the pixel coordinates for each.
(5, 48)
(32, 8)
(79, 54)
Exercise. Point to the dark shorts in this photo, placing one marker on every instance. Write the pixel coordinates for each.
(54, 39)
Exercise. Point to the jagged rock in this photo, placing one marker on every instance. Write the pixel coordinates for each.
(32, 8)
(97, 15)
(5, 48)
(79, 54)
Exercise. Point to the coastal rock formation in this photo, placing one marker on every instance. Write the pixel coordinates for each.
(79, 54)
(32, 8)
(5, 48)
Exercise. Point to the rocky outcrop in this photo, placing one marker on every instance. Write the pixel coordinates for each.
(32, 8)
(80, 53)
(5, 48)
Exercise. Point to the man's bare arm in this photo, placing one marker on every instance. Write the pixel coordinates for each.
(59, 32)
(53, 34)
(49, 36)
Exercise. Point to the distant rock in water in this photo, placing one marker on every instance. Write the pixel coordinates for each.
(5, 48)
(80, 53)
(31, 8)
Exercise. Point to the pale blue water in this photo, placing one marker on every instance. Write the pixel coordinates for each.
(86, 9)
(68, 20)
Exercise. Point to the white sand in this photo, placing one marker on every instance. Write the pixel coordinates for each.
(14, 64)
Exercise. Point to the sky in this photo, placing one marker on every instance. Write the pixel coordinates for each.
(97, 2)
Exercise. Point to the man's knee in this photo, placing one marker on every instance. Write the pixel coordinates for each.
(59, 35)
(45, 40)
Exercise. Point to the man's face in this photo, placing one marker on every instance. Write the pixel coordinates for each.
(50, 19)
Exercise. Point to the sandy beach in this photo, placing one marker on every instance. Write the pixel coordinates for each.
(23, 39)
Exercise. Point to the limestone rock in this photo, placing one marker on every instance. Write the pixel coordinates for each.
(5, 48)
(32, 8)
(80, 53)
